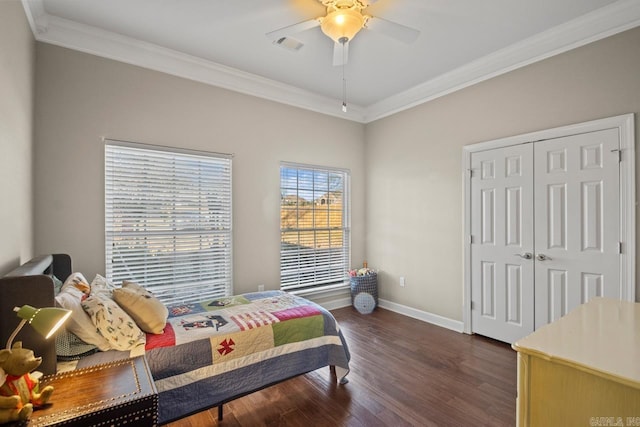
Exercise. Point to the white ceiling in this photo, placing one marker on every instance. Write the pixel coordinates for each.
(223, 43)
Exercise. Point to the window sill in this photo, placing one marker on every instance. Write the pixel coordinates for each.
(324, 292)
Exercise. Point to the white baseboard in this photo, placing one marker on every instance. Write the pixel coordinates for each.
(425, 316)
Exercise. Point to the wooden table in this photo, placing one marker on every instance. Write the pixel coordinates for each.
(111, 394)
(583, 369)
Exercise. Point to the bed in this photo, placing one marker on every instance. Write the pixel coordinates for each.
(211, 352)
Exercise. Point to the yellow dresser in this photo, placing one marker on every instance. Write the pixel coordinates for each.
(583, 369)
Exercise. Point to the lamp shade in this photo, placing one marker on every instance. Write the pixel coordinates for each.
(342, 23)
(45, 321)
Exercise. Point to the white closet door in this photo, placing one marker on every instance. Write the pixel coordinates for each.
(577, 217)
(502, 242)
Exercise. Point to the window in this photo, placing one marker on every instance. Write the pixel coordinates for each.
(168, 221)
(314, 228)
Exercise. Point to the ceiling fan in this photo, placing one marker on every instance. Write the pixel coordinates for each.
(344, 19)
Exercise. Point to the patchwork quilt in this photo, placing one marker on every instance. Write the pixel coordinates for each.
(216, 350)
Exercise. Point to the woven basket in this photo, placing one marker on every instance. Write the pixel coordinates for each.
(361, 288)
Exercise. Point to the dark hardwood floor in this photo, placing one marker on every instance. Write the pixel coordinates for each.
(404, 372)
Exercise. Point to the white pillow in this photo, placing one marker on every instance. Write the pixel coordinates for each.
(78, 281)
(113, 323)
(102, 285)
(70, 297)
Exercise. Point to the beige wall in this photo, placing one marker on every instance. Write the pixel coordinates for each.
(410, 163)
(17, 62)
(82, 98)
(414, 158)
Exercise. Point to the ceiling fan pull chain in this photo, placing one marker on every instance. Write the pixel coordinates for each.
(343, 40)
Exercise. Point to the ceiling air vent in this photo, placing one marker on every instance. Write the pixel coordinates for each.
(289, 43)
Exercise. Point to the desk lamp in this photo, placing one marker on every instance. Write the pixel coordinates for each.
(46, 321)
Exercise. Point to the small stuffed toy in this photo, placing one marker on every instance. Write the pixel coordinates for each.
(18, 389)
(12, 409)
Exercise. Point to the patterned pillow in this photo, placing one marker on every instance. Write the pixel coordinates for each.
(147, 310)
(113, 323)
(70, 297)
(102, 285)
(78, 281)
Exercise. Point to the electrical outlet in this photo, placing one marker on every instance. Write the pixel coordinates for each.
(402, 281)
(260, 288)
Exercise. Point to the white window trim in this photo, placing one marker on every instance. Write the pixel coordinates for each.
(227, 265)
(333, 288)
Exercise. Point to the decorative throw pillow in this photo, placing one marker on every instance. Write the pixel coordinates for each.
(70, 297)
(113, 322)
(102, 285)
(147, 310)
(78, 281)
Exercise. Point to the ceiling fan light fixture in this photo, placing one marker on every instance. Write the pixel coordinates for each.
(342, 23)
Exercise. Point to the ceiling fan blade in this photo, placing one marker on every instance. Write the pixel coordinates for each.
(393, 29)
(293, 29)
(340, 54)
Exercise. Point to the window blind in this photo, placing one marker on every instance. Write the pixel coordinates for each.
(314, 228)
(168, 221)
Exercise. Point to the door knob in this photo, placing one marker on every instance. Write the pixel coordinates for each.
(526, 255)
(542, 257)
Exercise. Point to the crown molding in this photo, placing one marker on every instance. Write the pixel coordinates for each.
(34, 9)
(601, 23)
(69, 34)
(604, 22)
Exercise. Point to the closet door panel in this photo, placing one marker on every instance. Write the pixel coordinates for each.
(502, 232)
(576, 221)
